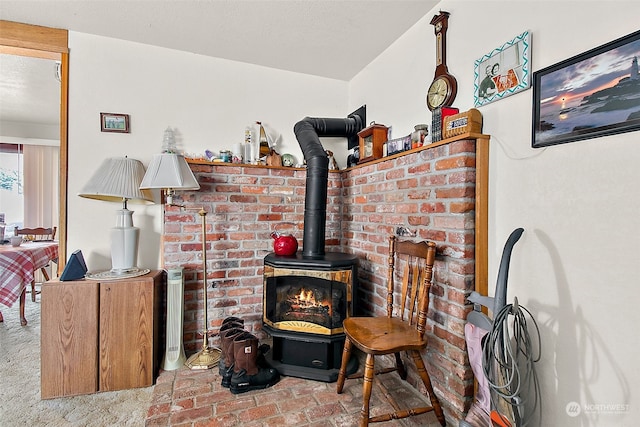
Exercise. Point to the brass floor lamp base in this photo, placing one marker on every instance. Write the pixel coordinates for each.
(204, 359)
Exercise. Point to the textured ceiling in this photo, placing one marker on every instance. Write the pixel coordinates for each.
(329, 38)
(29, 90)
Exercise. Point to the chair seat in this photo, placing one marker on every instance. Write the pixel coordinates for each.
(383, 335)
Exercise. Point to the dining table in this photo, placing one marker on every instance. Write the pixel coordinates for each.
(18, 265)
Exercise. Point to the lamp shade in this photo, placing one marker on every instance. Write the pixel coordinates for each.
(169, 171)
(116, 179)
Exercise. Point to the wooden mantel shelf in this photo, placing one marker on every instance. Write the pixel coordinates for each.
(468, 135)
(242, 165)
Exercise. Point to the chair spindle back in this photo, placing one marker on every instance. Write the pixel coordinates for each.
(36, 234)
(416, 260)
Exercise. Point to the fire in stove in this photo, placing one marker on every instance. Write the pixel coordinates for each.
(305, 303)
(313, 305)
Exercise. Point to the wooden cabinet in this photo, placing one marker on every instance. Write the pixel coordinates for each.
(100, 335)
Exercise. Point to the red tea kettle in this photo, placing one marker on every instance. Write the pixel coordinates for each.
(284, 244)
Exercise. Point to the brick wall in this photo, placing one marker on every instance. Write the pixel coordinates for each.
(430, 191)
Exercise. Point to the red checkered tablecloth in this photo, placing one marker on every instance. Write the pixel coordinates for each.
(18, 264)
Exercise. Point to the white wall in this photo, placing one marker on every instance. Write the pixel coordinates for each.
(208, 101)
(575, 267)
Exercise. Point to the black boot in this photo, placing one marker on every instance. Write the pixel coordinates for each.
(247, 375)
(262, 351)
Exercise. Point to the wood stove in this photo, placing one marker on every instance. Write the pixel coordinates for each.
(305, 303)
(308, 295)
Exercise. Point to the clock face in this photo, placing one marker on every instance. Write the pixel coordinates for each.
(438, 93)
(368, 146)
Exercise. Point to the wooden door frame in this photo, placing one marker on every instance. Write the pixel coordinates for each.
(47, 43)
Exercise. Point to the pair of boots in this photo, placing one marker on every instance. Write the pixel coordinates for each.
(242, 364)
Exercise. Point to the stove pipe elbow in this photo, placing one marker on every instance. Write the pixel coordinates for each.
(308, 132)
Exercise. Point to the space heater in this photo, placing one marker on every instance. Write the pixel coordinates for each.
(174, 356)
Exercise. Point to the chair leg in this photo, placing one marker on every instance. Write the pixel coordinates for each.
(342, 374)
(43, 270)
(422, 371)
(400, 367)
(23, 320)
(369, 372)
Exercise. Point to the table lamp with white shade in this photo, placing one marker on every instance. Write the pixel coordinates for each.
(118, 180)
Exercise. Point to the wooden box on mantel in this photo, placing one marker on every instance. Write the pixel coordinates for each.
(371, 140)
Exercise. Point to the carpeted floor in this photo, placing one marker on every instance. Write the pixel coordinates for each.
(20, 403)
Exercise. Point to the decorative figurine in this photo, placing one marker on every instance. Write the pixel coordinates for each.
(273, 158)
(265, 147)
(288, 160)
(333, 165)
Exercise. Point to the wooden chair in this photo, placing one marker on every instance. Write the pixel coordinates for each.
(39, 234)
(402, 330)
(36, 234)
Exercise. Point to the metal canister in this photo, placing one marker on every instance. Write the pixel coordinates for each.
(418, 135)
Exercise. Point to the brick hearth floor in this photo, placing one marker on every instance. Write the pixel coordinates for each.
(196, 398)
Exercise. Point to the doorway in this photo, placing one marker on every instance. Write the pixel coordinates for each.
(30, 141)
(49, 44)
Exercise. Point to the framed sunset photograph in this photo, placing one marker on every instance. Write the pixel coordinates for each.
(590, 95)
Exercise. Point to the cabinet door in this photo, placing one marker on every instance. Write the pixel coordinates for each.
(126, 334)
(68, 339)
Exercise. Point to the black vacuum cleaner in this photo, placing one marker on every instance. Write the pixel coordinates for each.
(500, 351)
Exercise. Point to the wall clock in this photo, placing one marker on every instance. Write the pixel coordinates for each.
(444, 87)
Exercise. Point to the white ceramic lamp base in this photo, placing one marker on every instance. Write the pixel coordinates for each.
(124, 243)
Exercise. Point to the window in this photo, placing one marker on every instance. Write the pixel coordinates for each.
(11, 185)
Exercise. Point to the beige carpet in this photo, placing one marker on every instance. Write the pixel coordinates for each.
(20, 403)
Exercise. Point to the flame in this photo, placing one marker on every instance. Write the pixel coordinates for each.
(305, 299)
(306, 296)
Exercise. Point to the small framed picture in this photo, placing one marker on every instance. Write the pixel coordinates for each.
(114, 122)
(503, 71)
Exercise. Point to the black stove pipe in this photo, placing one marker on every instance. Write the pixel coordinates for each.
(308, 132)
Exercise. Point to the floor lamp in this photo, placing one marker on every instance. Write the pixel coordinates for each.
(206, 358)
(170, 171)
